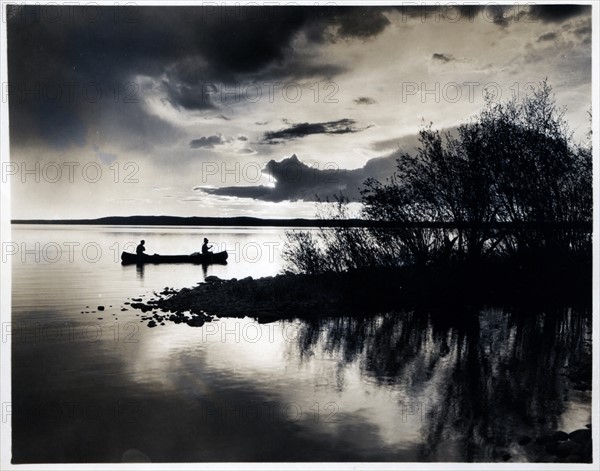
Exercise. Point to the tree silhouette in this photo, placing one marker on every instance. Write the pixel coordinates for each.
(511, 183)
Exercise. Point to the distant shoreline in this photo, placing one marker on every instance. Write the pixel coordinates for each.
(198, 221)
(296, 222)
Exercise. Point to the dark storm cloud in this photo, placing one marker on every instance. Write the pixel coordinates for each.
(189, 97)
(547, 37)
(62, 127)
(341, 126)
(491, 12)
(442, 57)
(504, 15)
(500, 15)
(364, 100)
(188, 51)
(294, 180)
(366, 23)
(207, 142)
(557, 13)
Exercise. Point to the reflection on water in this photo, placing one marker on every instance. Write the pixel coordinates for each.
(99, 386)
(478, 384)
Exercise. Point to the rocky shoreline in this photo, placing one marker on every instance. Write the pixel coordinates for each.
(357, 292)
(266, 299)
(283, 296)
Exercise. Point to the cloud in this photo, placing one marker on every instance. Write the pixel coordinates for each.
(189, 51)
(505, 15)
(445, 58)
(188, 97)
(492, 12)
(406, 143)
(207, 142)
(301, 65)
(584, 33)
(547, 37)
(557, 13)
(246, 150)
(61, 126)
(218, 143)
(501, 15)
(364, 24)
(364, 100)
(294, 180)
(341, 126)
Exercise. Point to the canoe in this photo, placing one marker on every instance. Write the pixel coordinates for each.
(198, 258)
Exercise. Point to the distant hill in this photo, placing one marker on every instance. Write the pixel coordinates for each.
(298, 222)
(195, 221)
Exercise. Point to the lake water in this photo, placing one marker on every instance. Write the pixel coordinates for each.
(100, 386)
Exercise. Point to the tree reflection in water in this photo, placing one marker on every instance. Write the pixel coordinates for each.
(484, 378)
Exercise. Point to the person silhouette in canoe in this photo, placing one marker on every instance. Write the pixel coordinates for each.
(140, 249)
(206, 249)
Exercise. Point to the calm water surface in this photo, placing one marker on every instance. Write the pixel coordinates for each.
(407, 386)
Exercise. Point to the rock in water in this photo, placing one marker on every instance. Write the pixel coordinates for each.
(195, 321)
(141, 306)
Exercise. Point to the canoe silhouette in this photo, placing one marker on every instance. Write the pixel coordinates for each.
(198, 258)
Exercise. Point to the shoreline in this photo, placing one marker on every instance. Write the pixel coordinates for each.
(372, 291)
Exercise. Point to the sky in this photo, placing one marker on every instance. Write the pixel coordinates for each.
(258, 111)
